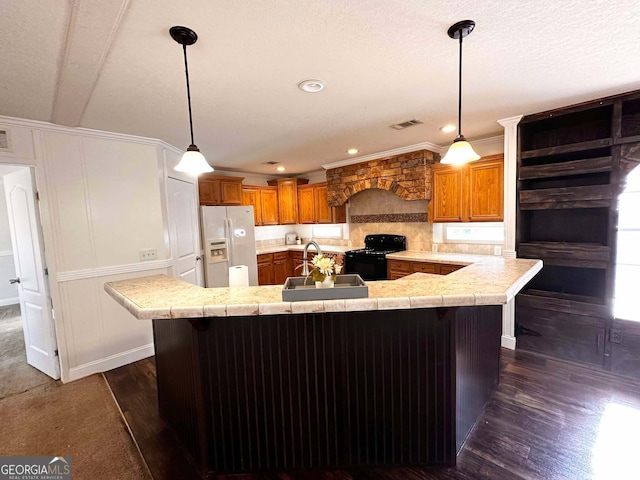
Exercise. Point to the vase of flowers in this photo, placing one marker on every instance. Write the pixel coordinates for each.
(324, 270)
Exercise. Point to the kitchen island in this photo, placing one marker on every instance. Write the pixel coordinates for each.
(250, 383)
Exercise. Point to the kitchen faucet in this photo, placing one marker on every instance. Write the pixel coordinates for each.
(305, 264)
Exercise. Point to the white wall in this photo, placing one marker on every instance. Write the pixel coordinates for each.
(101, 200)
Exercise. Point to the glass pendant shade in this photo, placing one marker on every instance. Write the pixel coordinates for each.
(460, 152)
(193, 162)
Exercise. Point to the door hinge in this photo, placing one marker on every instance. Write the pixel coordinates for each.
(37, 196)
(46, 271)
(55, 352)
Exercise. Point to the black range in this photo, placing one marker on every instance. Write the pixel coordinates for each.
(370, 262)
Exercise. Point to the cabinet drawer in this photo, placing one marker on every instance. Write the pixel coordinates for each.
(423, 267)
(446, 269)
(265, 258)
(399, 266)
(578, 338)
(281, 256)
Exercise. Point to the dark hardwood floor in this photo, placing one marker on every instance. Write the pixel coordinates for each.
(547, 420)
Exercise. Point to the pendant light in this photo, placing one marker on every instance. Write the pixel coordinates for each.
(192, 161)
(460, 151)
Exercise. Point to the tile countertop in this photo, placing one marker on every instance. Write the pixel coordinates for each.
(486, 280)
(300, 248)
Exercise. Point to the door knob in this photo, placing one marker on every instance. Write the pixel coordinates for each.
(198, 258)
(14, 280)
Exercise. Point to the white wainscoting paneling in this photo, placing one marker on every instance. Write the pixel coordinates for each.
(111, 362)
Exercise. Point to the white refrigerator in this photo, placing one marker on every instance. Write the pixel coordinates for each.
(228, 239)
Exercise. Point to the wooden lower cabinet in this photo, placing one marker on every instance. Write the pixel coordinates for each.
(266, 274)
(579, 338)
(281, 267)
(401, 268)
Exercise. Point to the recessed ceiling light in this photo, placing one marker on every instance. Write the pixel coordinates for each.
(352, 151)
(281, 168)
(311, 86)
(448, 128)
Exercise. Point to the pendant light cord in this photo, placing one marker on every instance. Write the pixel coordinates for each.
(459, 89)
(186, 71)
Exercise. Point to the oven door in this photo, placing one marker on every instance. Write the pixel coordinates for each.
(369, 267)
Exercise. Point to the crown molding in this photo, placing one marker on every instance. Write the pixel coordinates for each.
(387, 153)
(52, 127)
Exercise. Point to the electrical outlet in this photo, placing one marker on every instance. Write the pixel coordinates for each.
(434, 247)
(497, 250)
(148, 254)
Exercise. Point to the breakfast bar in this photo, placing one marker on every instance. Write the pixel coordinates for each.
(250, 383)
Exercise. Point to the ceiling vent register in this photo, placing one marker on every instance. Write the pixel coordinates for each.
(408, 123)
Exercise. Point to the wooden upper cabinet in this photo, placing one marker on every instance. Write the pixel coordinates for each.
(288, 198)
(219, 189)
(323, 211)
(485, 181)
(447, 194)
(313, 206)
(469, 193)
(251, 197)
(269, 204)
(264, 201)
(306, 204)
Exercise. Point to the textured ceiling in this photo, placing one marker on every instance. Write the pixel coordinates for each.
(111, 65)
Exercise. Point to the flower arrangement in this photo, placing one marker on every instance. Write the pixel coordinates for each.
(324, 266)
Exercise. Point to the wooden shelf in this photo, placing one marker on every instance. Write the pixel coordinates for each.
(569, 148)
(562, 169)
(589, 255)
(590, 196)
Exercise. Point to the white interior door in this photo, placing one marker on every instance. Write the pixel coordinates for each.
(35, 306)
(183, 231)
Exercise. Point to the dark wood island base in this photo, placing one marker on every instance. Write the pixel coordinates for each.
(328, 390)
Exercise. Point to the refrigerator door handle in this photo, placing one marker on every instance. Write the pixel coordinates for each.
(230, 240)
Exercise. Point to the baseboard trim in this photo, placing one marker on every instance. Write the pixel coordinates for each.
(9, 301)
(507, 341)
(109, 363)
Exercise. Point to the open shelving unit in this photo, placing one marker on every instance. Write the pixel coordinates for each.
(568, 185)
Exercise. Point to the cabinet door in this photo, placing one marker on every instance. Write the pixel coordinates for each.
(306, 210)
(281, 267)
(288, 202)
(296, 263)
(578, 338)
(323, 211)
(209, 192)
(398, 269)
(265, 269)
(485, 191)
(269, 204)
(230, 192)
(447, 195)
(251, 196)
